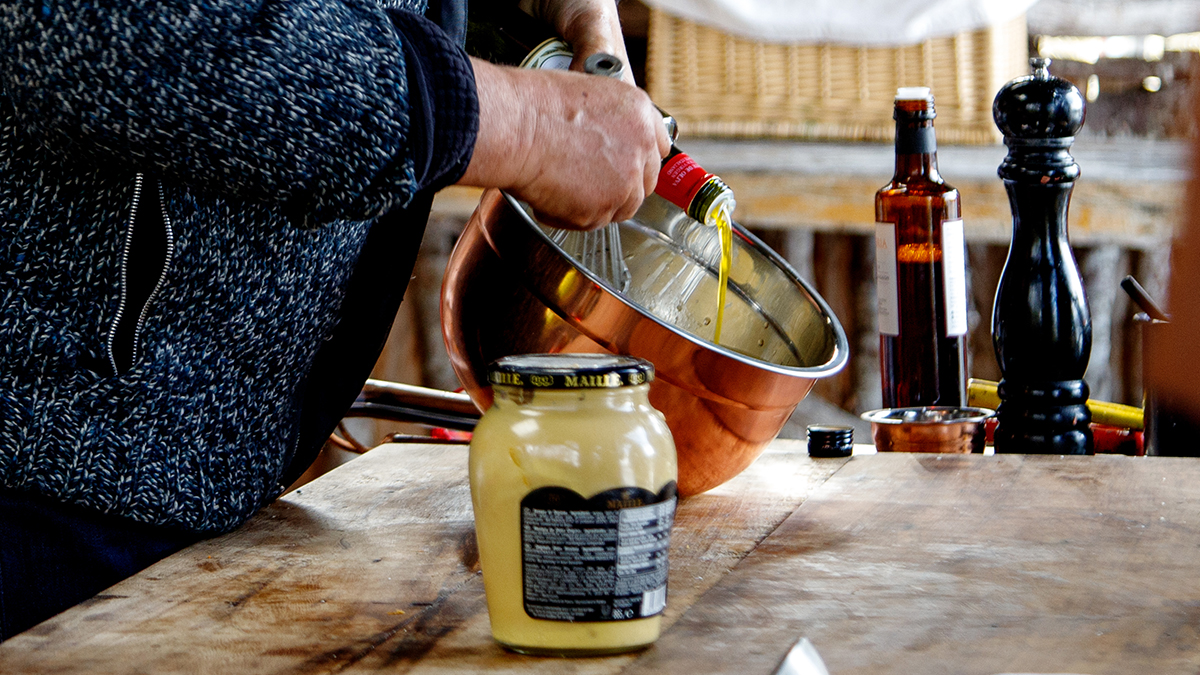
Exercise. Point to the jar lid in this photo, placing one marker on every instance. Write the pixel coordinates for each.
(830, 441)
(570, 371)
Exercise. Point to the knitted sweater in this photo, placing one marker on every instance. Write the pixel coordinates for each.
(250, 147)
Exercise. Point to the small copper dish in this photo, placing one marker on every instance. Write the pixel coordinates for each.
(929, 429)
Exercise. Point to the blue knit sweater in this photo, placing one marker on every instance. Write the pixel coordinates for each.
(263, 140)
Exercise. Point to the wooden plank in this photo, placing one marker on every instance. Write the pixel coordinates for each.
(1104, 160)
(836, 273)
(1130, 192)
(321, 577)
(971, 565)
(1137, 216)
(371, 567)
(713, 532)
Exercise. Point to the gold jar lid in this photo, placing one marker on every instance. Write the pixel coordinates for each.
(551, 54)
(570, 371)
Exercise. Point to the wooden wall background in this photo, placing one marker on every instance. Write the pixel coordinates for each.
(821, 221)
(812, 202)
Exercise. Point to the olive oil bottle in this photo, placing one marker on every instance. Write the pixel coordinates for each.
(707, 199)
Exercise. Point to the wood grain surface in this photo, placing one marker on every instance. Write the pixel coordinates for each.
(889, 563)
(940, 564)
(371, 568)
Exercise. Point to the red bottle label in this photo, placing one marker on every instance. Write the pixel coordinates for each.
(679, 179)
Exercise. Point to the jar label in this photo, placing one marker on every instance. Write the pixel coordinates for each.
(552, 54)
(602, 558)
(954, 274)
(887, 291)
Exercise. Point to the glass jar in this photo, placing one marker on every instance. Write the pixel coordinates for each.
(573, 485)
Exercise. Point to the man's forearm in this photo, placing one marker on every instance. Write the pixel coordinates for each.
(582, 150)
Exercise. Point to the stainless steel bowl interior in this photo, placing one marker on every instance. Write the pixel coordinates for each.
(512, 287)
(932, 415)
(771, 316)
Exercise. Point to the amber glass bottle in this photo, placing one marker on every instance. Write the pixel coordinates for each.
(920, 269)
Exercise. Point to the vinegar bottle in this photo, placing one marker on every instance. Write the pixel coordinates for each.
(920, 269)
(706, 199)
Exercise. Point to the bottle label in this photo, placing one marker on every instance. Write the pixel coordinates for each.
(919, 140)
(679, 180)
(887, 291)
(597, 559)
(954, 273)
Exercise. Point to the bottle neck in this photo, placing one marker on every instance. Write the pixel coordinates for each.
(712, 196)
(916, 146)
(916, 149)
(687, 185)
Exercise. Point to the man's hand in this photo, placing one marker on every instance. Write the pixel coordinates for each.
(582, 150)
(589, 26)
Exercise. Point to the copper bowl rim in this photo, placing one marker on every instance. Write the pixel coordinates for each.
(841, 348)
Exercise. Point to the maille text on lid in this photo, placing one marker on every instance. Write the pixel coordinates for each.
(570, 371)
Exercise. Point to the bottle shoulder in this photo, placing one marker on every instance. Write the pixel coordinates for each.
(901, 192)
(918, 183)
(896, 203)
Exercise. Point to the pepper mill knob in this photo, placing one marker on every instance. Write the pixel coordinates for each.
(1041, 326)
(1039, 105)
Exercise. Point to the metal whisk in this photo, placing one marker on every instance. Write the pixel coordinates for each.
(599, 250)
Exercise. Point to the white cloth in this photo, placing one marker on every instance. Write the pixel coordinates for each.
(859, 22)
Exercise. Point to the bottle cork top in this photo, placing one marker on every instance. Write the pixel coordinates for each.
(913, 94)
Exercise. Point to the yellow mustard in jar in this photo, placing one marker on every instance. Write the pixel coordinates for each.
(573, 485)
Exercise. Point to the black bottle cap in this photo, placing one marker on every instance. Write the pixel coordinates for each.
(830, 441)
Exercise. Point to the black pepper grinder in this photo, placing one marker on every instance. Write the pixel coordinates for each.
(1041, 326)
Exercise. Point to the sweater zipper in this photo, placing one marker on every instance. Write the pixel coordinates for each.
(123, 307)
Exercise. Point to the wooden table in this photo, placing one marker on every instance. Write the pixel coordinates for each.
(887, 563)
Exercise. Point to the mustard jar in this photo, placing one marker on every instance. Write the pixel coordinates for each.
(573, 485)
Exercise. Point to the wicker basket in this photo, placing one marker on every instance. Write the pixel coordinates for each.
(716, 84)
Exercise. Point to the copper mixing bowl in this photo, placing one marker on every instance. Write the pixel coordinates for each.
(509, 289)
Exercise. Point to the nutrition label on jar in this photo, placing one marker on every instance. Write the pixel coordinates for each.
(602, 558)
